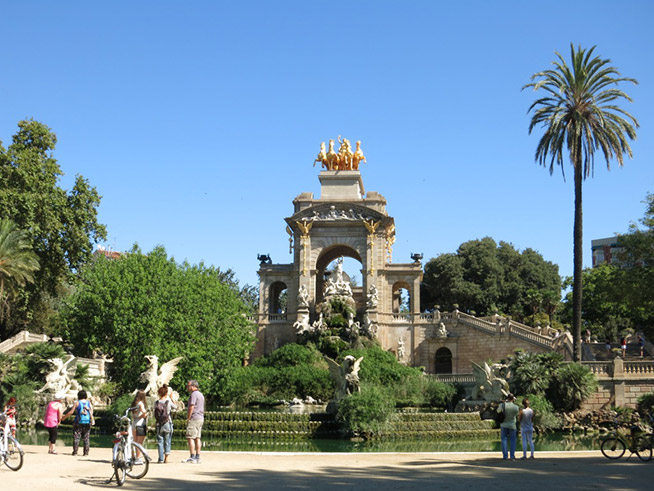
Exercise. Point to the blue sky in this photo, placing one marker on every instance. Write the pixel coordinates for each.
(198, 122)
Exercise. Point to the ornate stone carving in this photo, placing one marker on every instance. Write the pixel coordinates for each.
(303, 297)
(373, 297)
(346, 375)
(491, 384)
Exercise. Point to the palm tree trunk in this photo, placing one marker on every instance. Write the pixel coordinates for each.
(578, 260)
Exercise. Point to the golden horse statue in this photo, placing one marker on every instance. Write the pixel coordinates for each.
(358, 157)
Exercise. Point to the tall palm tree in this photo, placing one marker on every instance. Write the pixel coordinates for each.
(579, 114)
(17, 262)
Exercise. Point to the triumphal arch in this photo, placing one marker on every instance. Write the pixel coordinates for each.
(346, 221)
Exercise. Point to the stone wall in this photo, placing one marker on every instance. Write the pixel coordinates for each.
(621, 382)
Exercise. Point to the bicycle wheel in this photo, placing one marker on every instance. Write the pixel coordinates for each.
(613, 448)
(643, 449)
(137, 471)
(14, 457)
(119, 466)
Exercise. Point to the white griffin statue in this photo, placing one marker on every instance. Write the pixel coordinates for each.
(155, 377)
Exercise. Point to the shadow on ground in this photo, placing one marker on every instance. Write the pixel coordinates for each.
(421, 473)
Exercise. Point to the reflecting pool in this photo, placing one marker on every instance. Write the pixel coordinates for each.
(547, 442)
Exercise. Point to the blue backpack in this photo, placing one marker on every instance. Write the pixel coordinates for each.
(84, 412)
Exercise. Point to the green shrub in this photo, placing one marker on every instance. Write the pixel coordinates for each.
(544, 417)
(439, 394)
(646, 403)
(120, 405)
(381, 367)
(531, 373)
(571, 385)
(366, 413)
(291, 355)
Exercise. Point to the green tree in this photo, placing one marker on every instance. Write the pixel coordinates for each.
(17, 263)
(63, 225)
(485, 277)
(579, 114)
(147, 304)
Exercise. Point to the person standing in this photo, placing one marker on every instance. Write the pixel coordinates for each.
(508, 426)
(526, 418)
(194, 421)
(82, 423)
(162, 409)
(53, 414)
(140, 421)
(641, 344)
(623, 346)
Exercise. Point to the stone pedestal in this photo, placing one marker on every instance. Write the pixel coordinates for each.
(341, 185)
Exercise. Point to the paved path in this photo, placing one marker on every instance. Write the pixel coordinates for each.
(551, 471)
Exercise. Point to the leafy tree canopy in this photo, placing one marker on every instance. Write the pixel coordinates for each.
(620, 296)
(147, 304)
(484, 276)
(62, 225)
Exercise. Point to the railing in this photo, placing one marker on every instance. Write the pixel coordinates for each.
(276, 317)
(455, 378)
(633, 369)
(601, 369)
(23, 337)
(403, 318)
(478, 323)
(528, 335)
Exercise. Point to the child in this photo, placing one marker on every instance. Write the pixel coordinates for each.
(10, 411)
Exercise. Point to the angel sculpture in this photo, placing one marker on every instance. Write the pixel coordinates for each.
(489, 386)
(154, 377)
(58, 380)
(346, 375)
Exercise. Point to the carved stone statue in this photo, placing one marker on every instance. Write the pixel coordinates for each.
(442, 331)
(490, 386)
(154, 377)
(346, 375)
(369, 327)
(373, 297)
(339, 286)
(302, 324)
(401, 352)
(303, 297)
(318, 324)
(58, 380)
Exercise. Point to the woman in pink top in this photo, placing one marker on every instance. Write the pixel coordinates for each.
(53, 414)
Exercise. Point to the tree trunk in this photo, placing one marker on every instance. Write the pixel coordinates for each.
(578, 259)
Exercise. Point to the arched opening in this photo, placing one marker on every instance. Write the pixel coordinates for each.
(443, 362)
(351, 267)
(401, 298)
(278, 298)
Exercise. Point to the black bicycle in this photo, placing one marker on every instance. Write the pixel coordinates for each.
(614, 445)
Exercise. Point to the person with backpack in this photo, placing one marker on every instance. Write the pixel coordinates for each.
(162, 409)
(82, 423)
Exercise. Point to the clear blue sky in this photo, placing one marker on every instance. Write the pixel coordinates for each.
(198, 122)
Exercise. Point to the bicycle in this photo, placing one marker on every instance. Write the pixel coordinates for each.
(11, 453)
(124, 451)
(614, 445)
